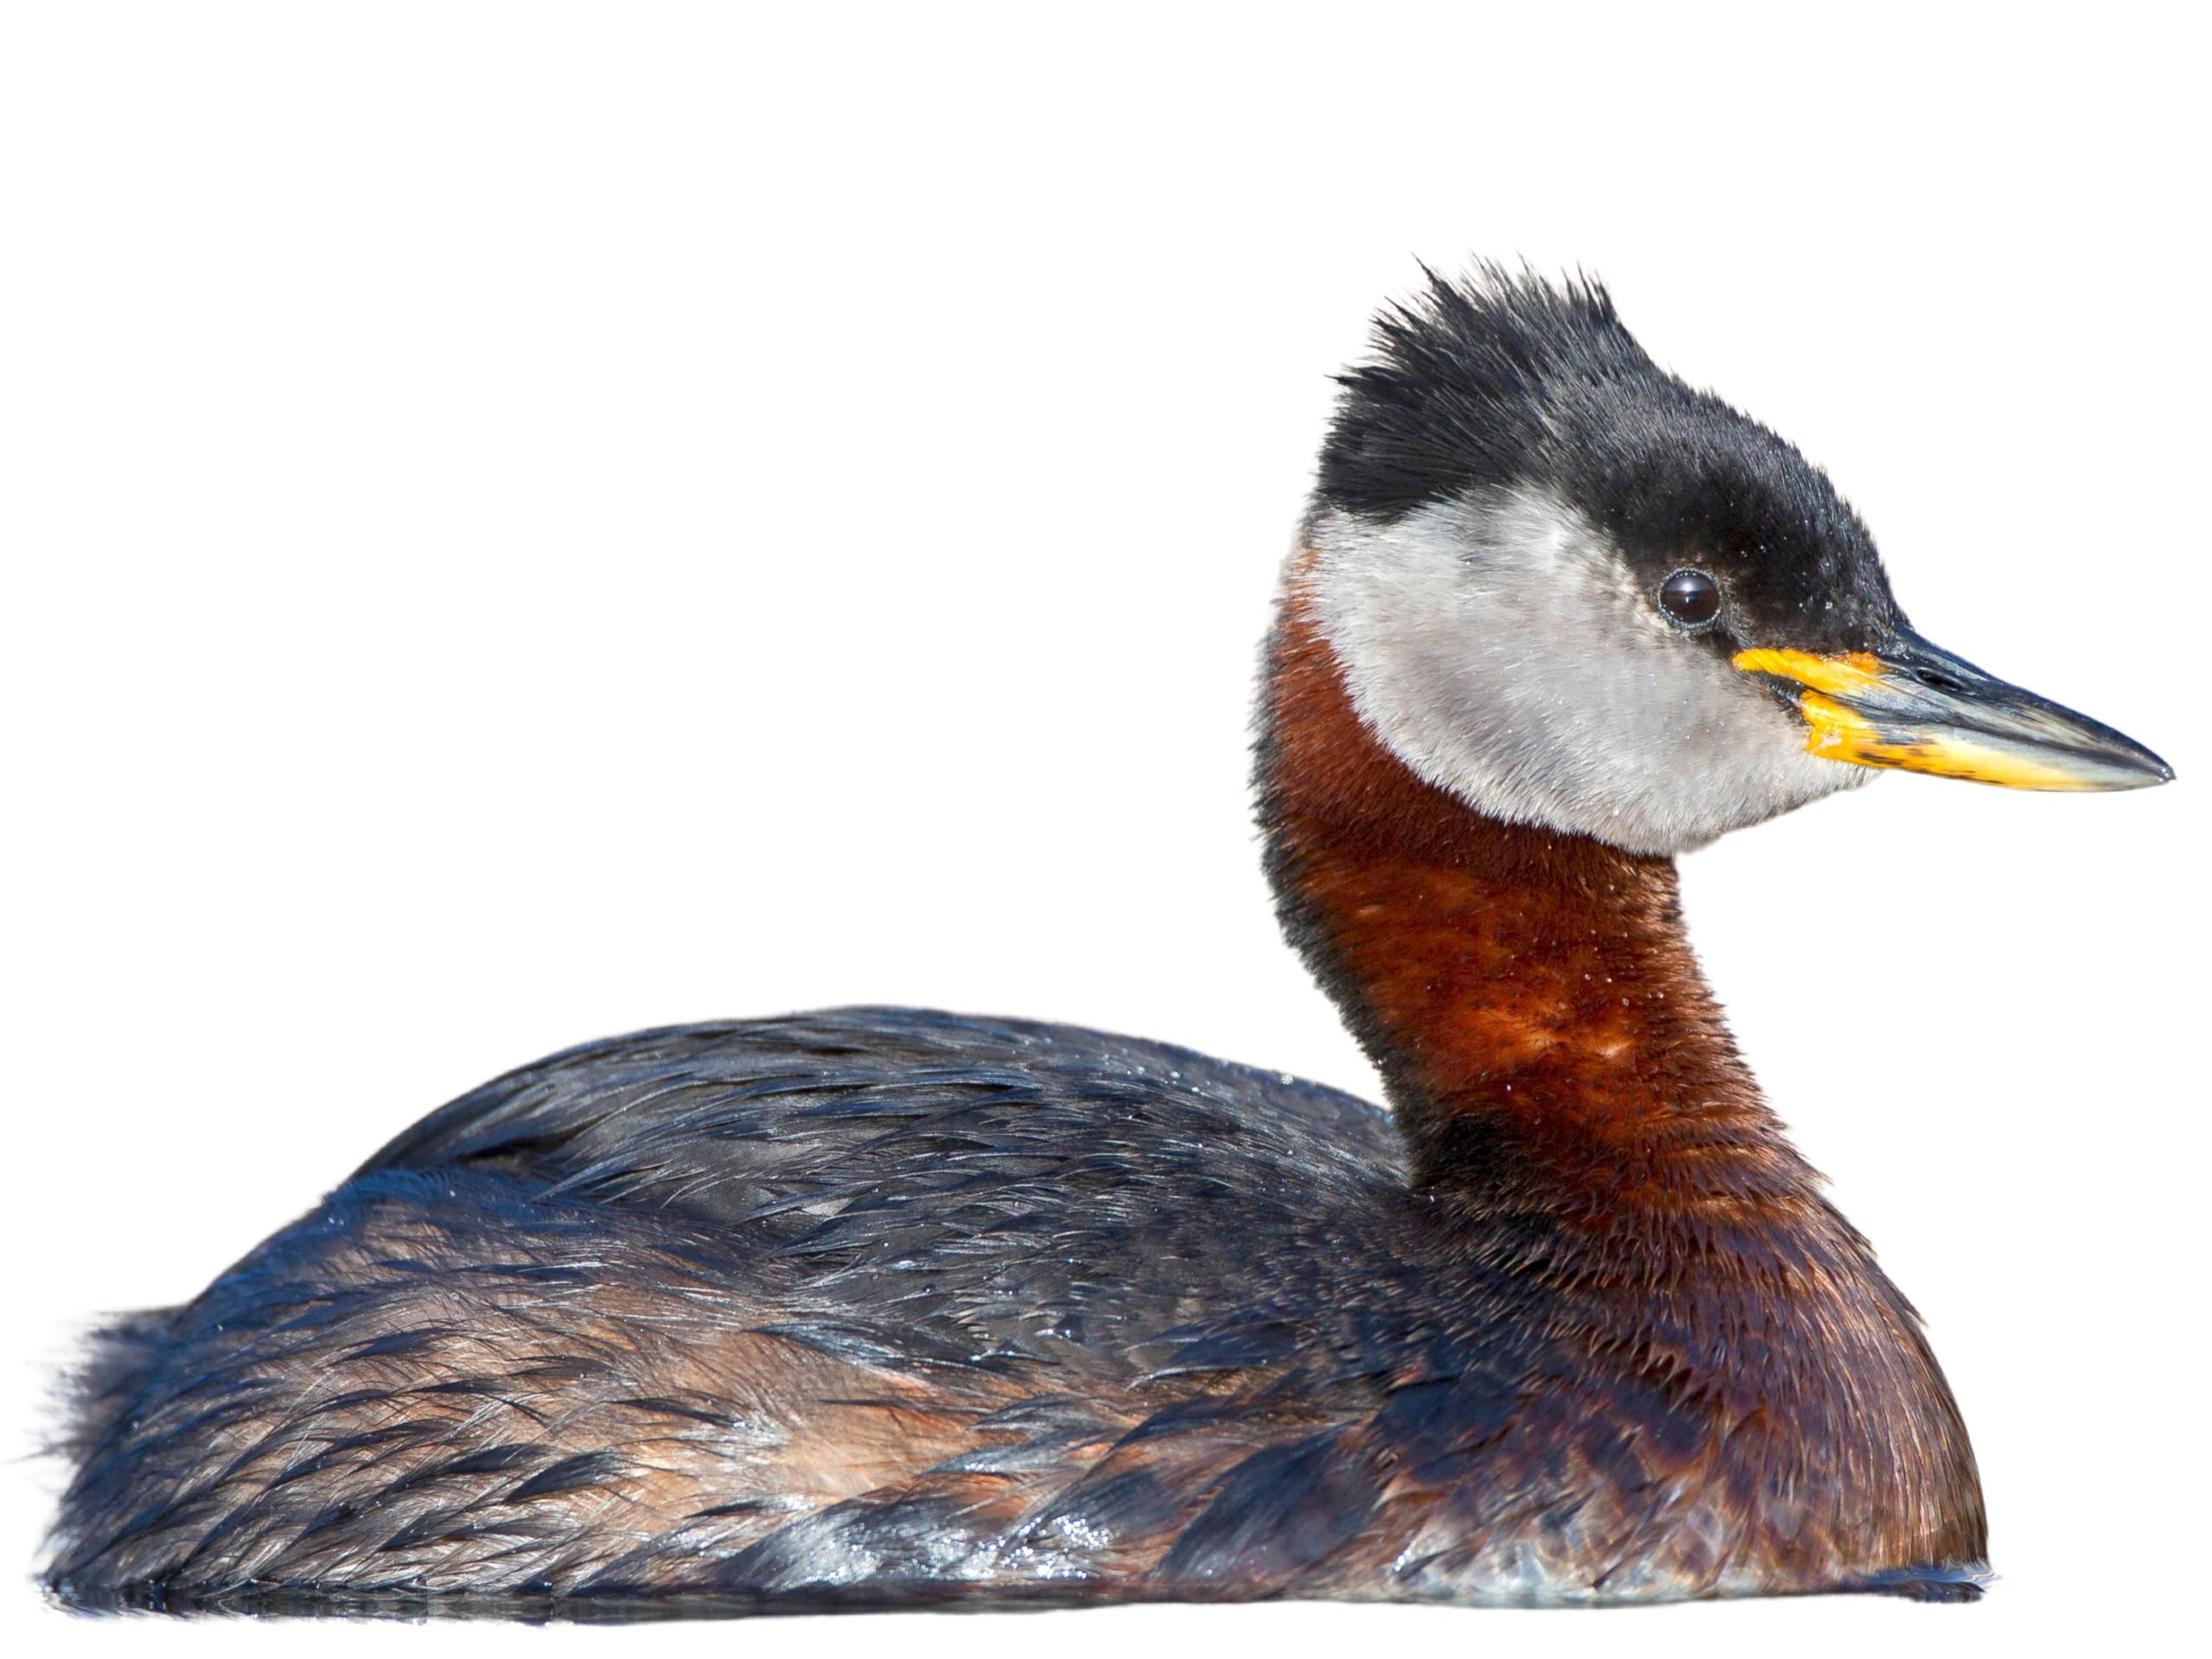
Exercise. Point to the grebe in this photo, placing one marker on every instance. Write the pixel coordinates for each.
(879, 1306)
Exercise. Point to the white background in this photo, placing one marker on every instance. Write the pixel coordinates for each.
(525, 523)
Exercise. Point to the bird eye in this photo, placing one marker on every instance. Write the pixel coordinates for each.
(1690, 597)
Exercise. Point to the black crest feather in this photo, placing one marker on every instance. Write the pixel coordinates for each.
(1464, 379)
(1508, 379)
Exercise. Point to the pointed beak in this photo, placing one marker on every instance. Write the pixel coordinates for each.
(1919, 708)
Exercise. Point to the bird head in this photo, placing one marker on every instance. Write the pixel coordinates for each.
(1564, 586)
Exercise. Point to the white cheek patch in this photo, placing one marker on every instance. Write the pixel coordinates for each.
(1504, 651)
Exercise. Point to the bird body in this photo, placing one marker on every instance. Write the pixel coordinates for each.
(884, 1306)
(878, 1306)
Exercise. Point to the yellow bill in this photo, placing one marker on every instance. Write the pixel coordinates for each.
(1920, 709)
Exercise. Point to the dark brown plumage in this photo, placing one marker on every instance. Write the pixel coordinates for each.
(1556, 1062)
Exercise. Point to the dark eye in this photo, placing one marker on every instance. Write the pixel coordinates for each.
(1690, 597)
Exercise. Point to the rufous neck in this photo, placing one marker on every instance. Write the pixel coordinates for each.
(1526, 993)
